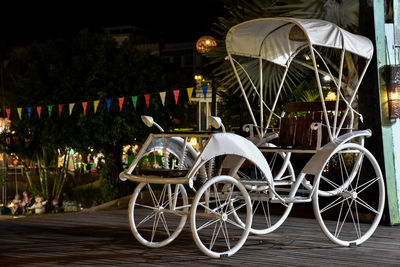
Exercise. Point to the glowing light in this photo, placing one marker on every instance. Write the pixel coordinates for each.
(394, 96)
(331, 96)
(204, 43)
(327, 78)
(193, 141)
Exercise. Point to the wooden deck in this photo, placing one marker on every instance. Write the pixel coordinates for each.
(103, 238)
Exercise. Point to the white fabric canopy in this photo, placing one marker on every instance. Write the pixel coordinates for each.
(268, 38)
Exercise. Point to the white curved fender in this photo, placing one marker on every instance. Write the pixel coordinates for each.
(231, 144)
(316, 163)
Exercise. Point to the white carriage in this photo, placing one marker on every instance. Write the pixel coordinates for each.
(248, 185)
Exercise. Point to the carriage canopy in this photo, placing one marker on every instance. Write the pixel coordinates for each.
(277, 39)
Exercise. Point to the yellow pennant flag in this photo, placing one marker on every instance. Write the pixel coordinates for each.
(189, 92)
(95, 105)
(19, 112)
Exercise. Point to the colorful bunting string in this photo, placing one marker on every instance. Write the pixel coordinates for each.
(134, 101)
(189, 93)
(162, 96)
(84, 105)
(95, 105)
(108, 101)
(39, 111)
(121, 102)
(19, 112)
(147, 99)
(60, 107)
(29, 110)
(71, 107)
(50, 109)
(176, 95)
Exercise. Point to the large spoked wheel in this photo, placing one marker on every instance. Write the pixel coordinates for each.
(268, 215)
(157, 213)
(214, 229)
(349, 198)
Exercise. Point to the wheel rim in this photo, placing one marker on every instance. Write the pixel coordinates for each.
(349, 199)
(213, 227)
(149, 219)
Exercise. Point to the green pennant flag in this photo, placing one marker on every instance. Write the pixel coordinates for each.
(134, 101)
(50, 109)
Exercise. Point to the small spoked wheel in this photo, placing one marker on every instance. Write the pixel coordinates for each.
(349, 198)
(157, 213)
(267, 215)
(214, 228)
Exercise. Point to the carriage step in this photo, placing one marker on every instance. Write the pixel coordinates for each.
(254, 182)
(292, 200)
(265, 182)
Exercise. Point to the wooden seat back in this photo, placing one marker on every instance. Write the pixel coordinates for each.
(297, 132)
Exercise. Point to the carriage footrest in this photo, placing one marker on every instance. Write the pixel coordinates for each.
(291, 200)
(254, 182)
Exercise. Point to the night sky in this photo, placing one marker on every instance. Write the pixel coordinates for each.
(180, 20)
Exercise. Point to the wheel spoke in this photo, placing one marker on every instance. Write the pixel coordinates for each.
(235, 224)
(344, 219)
(145, 206)
(329, 181)
(225, 233)
(153, 196)
(145, 219)
(334, 203)
(366, 205)
(205, 225)
(155, 226)
(235, 209)
(215, 235)
(164, 222)
(367, 184)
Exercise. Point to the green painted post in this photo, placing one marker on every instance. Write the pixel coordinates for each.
(373, 103)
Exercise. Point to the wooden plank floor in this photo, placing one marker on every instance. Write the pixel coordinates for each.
(103, 238)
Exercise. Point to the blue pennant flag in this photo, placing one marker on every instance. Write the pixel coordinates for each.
(29, 109)
(205, 88)
(108, 101)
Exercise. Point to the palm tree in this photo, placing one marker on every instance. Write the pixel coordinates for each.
(342, 13)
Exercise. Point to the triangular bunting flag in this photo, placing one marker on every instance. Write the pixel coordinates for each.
(190, 92)
(95, 105)
(71, 107)
(162, 96)
(29, 110)
(39, 111)
(108, 101)
(84, 105)
(8, 111)
(19, 112)
(60, 107)
(121, 102)
(50, 109)
(205, 88)
(176, 95)
(147, 99)
(134, 101)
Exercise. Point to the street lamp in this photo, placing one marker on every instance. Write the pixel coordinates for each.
(204, 43)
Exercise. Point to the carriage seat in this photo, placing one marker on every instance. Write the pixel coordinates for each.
(303, 127)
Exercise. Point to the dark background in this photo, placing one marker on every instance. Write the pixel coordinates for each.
(178, 20)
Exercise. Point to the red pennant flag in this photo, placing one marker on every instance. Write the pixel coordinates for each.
(84, 105)
(121, 102)
(8, 113)
(39, 110)
(176, 95)
(60, 106)
(147, 98)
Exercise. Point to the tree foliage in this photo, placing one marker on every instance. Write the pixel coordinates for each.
(90, 67)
